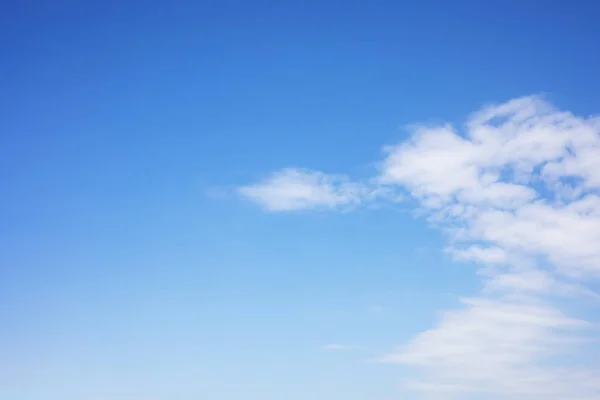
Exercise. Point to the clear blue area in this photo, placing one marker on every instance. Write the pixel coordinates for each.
(125, 273)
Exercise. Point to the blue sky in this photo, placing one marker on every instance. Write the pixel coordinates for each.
(263, 200)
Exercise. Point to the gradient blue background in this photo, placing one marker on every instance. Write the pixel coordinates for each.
(127, 268)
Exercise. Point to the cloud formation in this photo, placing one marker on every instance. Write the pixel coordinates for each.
(518, 193)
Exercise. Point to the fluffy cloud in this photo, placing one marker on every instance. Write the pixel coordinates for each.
(521, 180)
(518, 193)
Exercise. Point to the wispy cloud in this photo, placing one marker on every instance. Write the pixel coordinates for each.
(297, 189)
(497, 346)
(518, 193)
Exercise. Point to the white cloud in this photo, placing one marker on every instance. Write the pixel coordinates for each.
(499, 181)
(518, 193)
(489, 255)
(518, 190)
(297, 189)
(497, 347)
